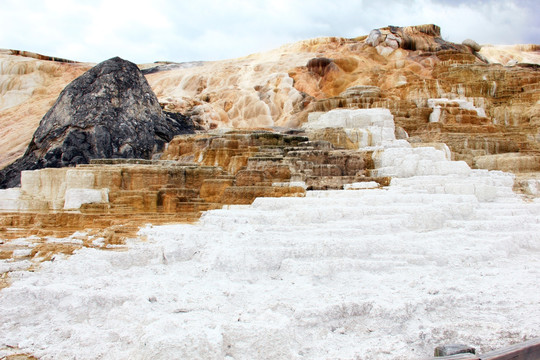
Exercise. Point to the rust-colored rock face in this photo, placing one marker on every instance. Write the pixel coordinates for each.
(258, 159)
(408, 66)
(436, 91)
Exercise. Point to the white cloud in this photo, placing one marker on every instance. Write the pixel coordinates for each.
(144, 31)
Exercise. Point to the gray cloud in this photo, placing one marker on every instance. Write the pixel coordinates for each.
(210, 29)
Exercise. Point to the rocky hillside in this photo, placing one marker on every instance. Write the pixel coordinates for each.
(277, 88)
(492, 91)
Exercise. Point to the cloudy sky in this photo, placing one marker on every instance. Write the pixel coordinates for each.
(186, 30)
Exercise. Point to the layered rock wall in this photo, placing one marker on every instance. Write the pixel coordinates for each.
(117, 196)
(477, 110)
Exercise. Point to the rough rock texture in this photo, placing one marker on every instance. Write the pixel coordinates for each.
(454, 349)
(421, 38)
(268, 160)
(108, 112)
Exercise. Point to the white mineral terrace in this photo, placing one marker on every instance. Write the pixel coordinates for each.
(443, 255)
(365, 127)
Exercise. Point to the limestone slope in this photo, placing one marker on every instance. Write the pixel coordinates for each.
(371, 274)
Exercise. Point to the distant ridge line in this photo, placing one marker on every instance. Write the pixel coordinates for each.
(40, 56)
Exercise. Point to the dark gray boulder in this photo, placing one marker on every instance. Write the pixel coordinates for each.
(108, 112)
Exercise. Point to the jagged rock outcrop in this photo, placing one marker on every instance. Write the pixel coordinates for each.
(421, 37)
(108, 112)
(472, 44)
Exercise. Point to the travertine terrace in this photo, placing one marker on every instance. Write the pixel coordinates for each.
(442, 253)
(199, 172)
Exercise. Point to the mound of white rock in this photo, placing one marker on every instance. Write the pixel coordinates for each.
(429, 167)
(364, 127)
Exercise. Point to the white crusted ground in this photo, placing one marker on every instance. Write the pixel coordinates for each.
(369, 274)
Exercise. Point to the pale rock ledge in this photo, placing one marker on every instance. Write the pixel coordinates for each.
(74, 198)
(363, 127)
(465, 104)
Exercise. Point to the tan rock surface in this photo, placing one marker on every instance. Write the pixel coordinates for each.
(28, 89)
(232, 168)
(511, 54)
